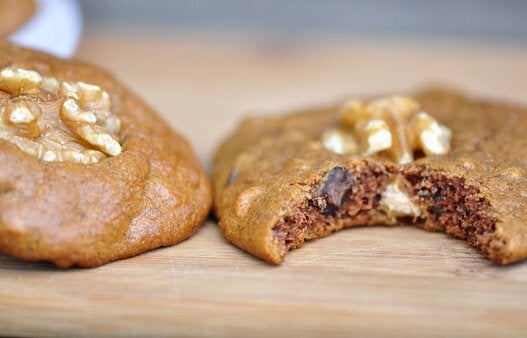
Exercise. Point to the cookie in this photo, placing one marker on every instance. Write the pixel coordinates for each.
(88, 172)
(438, 160)
(14, 14)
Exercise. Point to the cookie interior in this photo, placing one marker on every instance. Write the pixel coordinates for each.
(286, 183)
(349, 197)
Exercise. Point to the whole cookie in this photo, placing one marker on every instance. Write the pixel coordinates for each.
(14, 14)
(88, 172)
(440, 161)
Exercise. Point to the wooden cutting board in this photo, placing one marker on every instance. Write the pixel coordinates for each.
(372, 281)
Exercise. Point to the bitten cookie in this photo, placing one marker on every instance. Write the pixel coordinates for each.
(439, 160)
(14, 14)
(88, 173)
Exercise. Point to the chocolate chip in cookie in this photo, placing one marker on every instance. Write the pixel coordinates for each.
(438, 160)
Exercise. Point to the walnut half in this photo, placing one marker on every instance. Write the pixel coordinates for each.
(394, 125)
(57, 121)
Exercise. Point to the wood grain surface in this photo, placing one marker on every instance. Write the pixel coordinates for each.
(372, 281)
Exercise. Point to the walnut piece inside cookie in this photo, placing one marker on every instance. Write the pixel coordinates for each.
(394, 125)
(57, 121)
(396, 202)
(315, 177)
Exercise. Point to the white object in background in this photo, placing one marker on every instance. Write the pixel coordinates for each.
(54, 28)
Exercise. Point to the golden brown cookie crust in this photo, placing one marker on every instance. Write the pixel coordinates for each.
(14, 14)
(153, 194)
(271, 177)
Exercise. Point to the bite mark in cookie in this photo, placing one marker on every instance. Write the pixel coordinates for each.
(422, 197)
(440, 161)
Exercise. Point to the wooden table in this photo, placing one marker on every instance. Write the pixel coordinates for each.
(363, 282)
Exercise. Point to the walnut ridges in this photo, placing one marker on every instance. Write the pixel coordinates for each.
(88, 173)
(57, 121)
(319, 171)
(395, 125)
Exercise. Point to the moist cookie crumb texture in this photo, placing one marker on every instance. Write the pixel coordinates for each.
(88, 173)
(439, 161)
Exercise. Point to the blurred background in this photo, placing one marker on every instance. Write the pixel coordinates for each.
(286, 19)
(206, 64)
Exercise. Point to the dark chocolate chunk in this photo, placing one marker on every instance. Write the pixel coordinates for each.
(437, 194)
(438, 211)
(337, 185)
